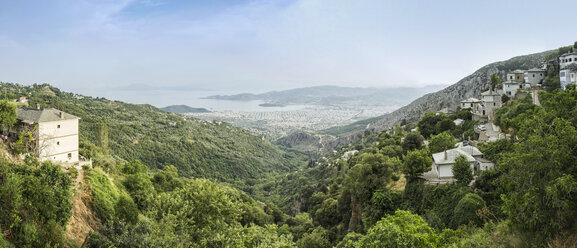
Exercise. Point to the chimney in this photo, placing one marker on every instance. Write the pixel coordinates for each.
(61, 115)
(445, 154)
(38, 106)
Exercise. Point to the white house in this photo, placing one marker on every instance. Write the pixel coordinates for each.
(568, 75)
(534, 76)
(566, 59)
(443, 161)
(55, 133)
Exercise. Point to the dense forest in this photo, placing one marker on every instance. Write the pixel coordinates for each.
(366, 194)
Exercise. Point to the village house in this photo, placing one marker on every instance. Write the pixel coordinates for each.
(443, 161)
(515, 81)
(534, 77)
(55, 134)
(568, 69)
(470, 103)
(491, 102)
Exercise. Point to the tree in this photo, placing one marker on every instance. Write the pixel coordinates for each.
(318, 238)
(8, 114)
(416, 163)
(441, 142)
(462, 170)
(413, 140)
(505, 98)
(103, 136)
(403, 229)
(466, 210)
(495, 81)
(372, 173)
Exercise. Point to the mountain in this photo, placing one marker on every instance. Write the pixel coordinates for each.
(142, 132)
(183, 109)
(334, 95)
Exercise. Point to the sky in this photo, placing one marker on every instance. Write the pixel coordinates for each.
(99, 46)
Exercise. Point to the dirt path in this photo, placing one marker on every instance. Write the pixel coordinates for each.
(83, 220)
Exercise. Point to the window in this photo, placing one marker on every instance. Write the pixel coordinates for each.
(533, 75)
(511, 77)
(58, 126)
(517, 77)
(520, 86)
(69, 155)
(58, 143)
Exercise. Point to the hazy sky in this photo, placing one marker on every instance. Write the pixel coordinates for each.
(91, 45)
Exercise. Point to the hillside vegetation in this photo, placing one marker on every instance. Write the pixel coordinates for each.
(158, 139)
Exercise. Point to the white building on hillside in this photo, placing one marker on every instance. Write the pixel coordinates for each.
(568, 69)
(55, 134)
(443, 161)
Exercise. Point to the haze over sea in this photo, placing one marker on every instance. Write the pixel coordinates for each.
(193, 98)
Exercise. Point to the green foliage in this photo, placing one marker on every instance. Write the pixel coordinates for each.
(372, 173)
(104, 194)
(466, 211)
(495, 81)
(505, 98)
(510, 116)
(433, 123)
(441, 142)
(318, 238)
(126, 209)
(328, 214)
(8, 114)
(383, 203)
(140, 188)
(462, 171)
(34, 203)
(416, 163)
(413, 141)
(403, 229)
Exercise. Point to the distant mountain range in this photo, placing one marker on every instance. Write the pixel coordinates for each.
(335, 95)
(182, 109)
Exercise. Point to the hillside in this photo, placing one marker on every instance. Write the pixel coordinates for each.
(157, 138)
(182, 109)
(335, 95)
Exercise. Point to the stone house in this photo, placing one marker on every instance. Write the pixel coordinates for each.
(535, 76)
(491, 102)
(54, 134)
(470, 103)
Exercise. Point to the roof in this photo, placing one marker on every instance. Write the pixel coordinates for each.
(467, 151)
(518, 71)
(568, 54)
(31, 116)
(490, 93)
(572, 67)
(536, 70)
(471, 100)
